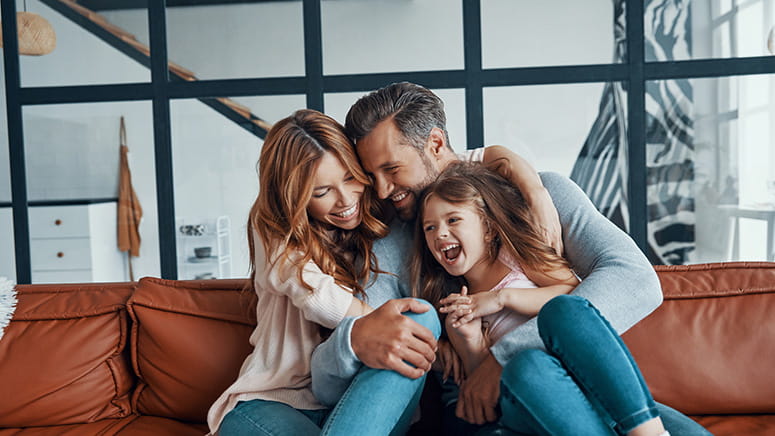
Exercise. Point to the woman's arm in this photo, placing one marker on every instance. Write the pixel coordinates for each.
(526, 179)
(358, 308)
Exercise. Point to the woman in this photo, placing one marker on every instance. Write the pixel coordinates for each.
(310, 233)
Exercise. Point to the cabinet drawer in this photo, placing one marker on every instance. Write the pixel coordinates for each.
(59, 221)
(71, 276)
(60, 254)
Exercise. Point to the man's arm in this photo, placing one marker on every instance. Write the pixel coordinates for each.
(526, 179)
(383, 339)
(616, 277)
(368, 340)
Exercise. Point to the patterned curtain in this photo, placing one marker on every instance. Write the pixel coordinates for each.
(601, 167)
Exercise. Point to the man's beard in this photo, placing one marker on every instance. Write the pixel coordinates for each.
(431, 174)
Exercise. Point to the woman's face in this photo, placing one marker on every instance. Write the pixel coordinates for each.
(336, 195)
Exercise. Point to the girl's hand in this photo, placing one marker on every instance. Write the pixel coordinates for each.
(462, 308)
(458, 305)
(450, 362)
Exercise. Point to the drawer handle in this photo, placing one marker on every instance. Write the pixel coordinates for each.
(58, 222)
(60, 254)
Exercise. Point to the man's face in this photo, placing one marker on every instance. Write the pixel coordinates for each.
(400, 170)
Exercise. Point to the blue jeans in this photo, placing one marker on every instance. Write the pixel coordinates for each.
(587, 379)
(378, 402)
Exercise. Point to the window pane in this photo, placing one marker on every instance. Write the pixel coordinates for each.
(554, 32)
(701, 29)
(72, 156)
(93, 50)
(7, 254)
(262, 39)
(337, 105)
(576, 130)
(214, 163)
(719, 208)
(385, 36)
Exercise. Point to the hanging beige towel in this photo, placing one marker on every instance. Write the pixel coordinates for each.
(129, 210)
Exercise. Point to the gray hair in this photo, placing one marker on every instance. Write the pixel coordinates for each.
(416, 110)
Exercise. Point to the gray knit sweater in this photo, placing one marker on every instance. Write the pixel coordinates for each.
(616, 277)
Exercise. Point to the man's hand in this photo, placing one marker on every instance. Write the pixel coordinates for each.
(479, 393)
(386, 339)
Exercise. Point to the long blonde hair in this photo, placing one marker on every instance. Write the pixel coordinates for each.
(289, 158)
(502, 209)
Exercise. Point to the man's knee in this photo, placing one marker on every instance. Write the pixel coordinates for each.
(428, 319)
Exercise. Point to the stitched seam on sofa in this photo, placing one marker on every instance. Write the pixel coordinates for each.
(722, 293)
(227, 317)
(103, 310)
(714, 266)
(203, 285)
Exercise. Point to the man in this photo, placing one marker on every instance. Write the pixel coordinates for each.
(401, 140)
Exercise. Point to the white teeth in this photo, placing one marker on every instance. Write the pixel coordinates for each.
(398, 197)
(348, 212)
(449, 247)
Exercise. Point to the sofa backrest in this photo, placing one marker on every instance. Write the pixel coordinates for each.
(189, 339)
(63, 357)
(710, 347)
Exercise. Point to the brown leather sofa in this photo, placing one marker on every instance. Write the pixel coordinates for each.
(148, 358)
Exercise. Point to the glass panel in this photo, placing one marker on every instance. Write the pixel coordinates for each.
(720, 206)
(261, 39)
(554, 32)
(91, 48)
(214, 162)
(701, 29)
(577, 130)
(8, 253)
(385, 36)
(72, 156)
(337, 105)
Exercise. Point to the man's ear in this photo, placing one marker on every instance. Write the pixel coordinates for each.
(436, 144)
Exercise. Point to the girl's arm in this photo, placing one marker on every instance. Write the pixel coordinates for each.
(526, 301)
(550, 283)
(526, 179)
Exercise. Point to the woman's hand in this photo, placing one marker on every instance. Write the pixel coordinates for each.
(463, 308)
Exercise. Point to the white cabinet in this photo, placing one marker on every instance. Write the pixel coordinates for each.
(70, 244)
(204, 248)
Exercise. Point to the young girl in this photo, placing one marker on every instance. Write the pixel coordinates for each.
(475, 233)
(310, 232)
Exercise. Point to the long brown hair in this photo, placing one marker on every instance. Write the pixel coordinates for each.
(503, 210)
(289, 158)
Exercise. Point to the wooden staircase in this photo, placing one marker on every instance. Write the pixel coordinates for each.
(125, 42)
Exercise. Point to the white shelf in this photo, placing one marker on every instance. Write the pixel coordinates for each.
(204, 232)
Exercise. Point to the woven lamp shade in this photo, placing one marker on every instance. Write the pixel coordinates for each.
(36, 36)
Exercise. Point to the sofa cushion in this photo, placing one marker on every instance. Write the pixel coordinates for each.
(736, 425)
(189, 339)
(155, 426)
(707, 349)
(104, 427)
(63, 357)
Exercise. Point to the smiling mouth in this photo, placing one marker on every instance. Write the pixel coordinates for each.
(400, 196)
(347, 213)
(451, 252)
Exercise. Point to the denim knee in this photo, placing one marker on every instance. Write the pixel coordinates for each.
(429, 319)
(559, 313)
(526, 369)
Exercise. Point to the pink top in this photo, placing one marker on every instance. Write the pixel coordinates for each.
(287, 332)
(505, 320)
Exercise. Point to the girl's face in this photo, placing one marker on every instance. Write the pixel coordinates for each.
(456, 235)
(336, 195)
